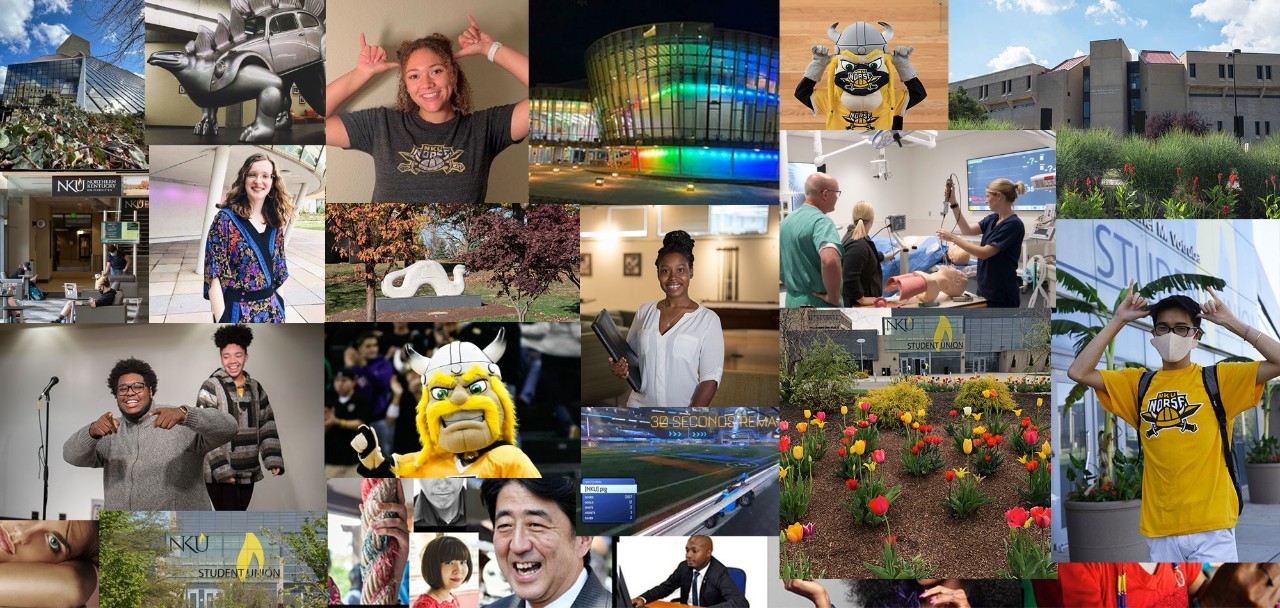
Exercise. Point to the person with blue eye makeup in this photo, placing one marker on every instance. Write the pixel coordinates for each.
(48, 563)
(431, 147)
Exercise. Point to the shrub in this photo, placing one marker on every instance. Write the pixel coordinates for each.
(890, 402)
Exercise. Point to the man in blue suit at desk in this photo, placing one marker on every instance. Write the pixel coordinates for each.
(701, 579)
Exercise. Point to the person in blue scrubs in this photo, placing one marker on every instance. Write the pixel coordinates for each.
(1001, 243)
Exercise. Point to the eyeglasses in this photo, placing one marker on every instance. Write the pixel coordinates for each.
(836, 191)
(1182, 330)
(135, 388)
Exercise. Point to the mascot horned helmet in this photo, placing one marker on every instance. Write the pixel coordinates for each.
(455, 358)
(861, 37)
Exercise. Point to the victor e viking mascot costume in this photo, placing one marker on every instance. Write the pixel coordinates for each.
(466, 420)
(854, 89)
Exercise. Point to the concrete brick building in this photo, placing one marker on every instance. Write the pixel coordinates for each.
(1107, 88)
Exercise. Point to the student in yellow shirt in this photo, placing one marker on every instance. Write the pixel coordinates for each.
(1189, 506)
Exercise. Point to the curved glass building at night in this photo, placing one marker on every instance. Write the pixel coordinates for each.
(687, 99)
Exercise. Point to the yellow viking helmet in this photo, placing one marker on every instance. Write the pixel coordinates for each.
(463, 389)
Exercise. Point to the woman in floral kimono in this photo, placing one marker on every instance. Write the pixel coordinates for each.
(244, 255)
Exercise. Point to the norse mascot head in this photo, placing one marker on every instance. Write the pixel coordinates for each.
(465, 407)
(860, 79)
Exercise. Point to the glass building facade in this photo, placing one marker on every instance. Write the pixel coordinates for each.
(563, 127)
(91, 83)
(687, 99)
(209, 549)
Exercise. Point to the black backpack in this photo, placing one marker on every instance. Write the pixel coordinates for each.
(1210, 378)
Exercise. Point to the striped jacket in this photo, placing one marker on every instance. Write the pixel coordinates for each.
(255, 441)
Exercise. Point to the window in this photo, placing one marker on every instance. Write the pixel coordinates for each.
(1259, 71)
(1002, 89)
(308, 21)
(1231, 71)
(1257, 127)
(1222, 71)
(284, 23)
(1219, 125)
(1266, 127)
(1192, 68)
(1268, 72)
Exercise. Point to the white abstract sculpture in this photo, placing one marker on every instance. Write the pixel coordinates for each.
(429, 272)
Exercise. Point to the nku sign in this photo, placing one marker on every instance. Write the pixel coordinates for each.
(923, 334)
(86, 186)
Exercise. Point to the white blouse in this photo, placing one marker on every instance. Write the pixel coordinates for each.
(673, 364)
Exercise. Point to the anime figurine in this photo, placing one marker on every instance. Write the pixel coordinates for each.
(857, 91)
(466, 420)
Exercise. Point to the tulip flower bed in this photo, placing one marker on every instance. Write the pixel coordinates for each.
(861, 493)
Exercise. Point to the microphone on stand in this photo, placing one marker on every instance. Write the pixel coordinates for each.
(52, 381)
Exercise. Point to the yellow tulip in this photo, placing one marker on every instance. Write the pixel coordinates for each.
(801, 427)
(782, 472)
(808, 414)
(871, 466)
(1017, 412)
(961, 472)
(905, 417)
(915, 425)
(1022, 459)
(859, 447)
(979, 430)
(920, 413)
(795, 532)
(809, 457)
(844, 409)
(819, 423)
(1045, 450)
(977, 416)
(1039, 401)
(797, 452)
(968, 446)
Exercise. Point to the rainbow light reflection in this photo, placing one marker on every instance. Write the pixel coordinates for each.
(721, 163)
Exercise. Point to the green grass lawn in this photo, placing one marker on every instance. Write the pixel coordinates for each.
(664, 485)
(343, 291)
(310, 224)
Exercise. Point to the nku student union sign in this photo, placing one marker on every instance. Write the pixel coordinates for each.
(919, 334)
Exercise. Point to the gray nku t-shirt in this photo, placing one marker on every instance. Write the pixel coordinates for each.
(419, 162)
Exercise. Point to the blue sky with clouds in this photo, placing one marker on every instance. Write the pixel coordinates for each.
(991, 35)
(30, 28)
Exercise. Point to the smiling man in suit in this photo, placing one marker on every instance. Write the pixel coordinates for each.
(701, 580)
(538, 548)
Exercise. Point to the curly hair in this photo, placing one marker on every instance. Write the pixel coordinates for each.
(441, 45)
(676, 241)
(237, 334)
(132, 366)
(279, 206)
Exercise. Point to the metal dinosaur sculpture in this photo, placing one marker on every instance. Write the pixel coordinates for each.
(230, 65)
(428, 272)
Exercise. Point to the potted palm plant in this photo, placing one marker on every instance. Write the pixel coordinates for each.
(1102, 507)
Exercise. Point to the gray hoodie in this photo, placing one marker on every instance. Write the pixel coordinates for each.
(153, 469)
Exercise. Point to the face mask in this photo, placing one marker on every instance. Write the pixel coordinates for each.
(1172, 347)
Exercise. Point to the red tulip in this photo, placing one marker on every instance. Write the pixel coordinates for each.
(1030, 436)
(863, 424)
(848, 431)
(841, 452)
(991, 442)
(878, 456)
(915, 450)
(821, 416)
(784, 444)
(951, 475)
(845, 441)
(1225, 209)
(1032, 465)
(1026, 421)
(852, 484)
(783, 426)
(880, 505)
(953, 413)
(1179, 171)
(999, 439)
(1016, 517)
(1042, 517)
(892, 540)
(1195, 181)
(865, 406)
(871, 418)
(987, 458)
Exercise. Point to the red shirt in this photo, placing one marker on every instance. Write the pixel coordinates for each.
(1089, 584)
(426, 601)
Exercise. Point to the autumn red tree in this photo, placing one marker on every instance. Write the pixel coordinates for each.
(372, 234)
(526, 249)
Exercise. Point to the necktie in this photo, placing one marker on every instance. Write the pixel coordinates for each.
(693, 590)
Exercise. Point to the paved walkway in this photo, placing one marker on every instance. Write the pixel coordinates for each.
(177, 285)
(578, 186)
